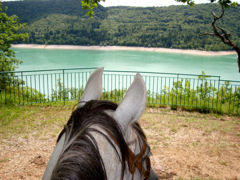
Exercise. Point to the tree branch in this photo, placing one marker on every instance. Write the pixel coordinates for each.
(224, 36)
(208, 34)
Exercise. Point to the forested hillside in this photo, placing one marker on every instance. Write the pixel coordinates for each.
(64, 22)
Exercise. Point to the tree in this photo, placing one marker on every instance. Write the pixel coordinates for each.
(222, 34)
(9, 32)
(90, 5)
(218, 32)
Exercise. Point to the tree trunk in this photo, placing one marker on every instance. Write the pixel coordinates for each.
(238, 53)
(237, 49)
(223, 35)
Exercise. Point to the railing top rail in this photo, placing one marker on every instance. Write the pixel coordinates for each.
(232, 81)
(149, 72)
(90, 68)
(42, 70)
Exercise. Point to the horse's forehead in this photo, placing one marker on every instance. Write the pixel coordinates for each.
(103, 144)
(129, 132)
(110, 155)
(109, 112)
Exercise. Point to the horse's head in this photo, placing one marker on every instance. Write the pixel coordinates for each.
(103, 140)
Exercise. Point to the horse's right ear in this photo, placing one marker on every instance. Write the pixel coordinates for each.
(93, 89)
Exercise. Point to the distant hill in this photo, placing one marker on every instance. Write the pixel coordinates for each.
(32, 10)
(64, 22)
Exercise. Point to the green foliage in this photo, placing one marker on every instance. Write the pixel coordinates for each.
(169, 27)
(189, 2)
(90, 5)
(115, 95)
(9, 33)
(9, 28)
(64, 94)
(226, 3)
(21, 95)
(199, 95)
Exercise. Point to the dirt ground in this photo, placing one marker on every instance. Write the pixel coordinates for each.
(184, 146)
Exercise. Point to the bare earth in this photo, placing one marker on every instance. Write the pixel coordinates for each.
(116, 48)
(184, 146)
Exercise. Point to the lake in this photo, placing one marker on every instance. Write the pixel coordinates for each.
(36, 59)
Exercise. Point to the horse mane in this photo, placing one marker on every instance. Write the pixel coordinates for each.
(81, 158)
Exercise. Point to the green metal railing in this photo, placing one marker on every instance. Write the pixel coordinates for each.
(204, 93)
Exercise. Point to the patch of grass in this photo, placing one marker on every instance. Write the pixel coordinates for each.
(176, 120)
(23, 120)
(209, 124)
(4, 160)
(37, 119)
(235, 146)
(165, 144)
(174, 107)
(173, 130)
(224, 163)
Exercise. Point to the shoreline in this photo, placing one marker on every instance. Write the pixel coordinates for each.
(125, 48)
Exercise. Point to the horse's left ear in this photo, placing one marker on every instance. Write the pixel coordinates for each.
(133, 104)
(93, 89)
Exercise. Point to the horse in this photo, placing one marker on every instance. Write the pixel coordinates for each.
(103, 140)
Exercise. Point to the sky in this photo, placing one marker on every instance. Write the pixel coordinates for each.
(148, 3)
(145, 3)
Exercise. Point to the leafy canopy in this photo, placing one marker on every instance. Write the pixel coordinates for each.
(9, 33)
(90, 5)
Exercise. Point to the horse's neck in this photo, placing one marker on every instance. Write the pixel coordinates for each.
(54, 158)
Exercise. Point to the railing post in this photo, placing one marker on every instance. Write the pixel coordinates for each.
(177, 91)
(63, 88)
(5, 91)
(218, 92)
(22, 87)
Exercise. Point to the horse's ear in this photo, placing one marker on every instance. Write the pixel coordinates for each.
(93, 89)
(133, 104)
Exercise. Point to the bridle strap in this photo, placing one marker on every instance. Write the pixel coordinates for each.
(136, 161)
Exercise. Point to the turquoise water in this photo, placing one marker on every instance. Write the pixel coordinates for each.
(34, 59)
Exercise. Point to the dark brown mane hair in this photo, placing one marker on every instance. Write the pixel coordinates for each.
(80, 158)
